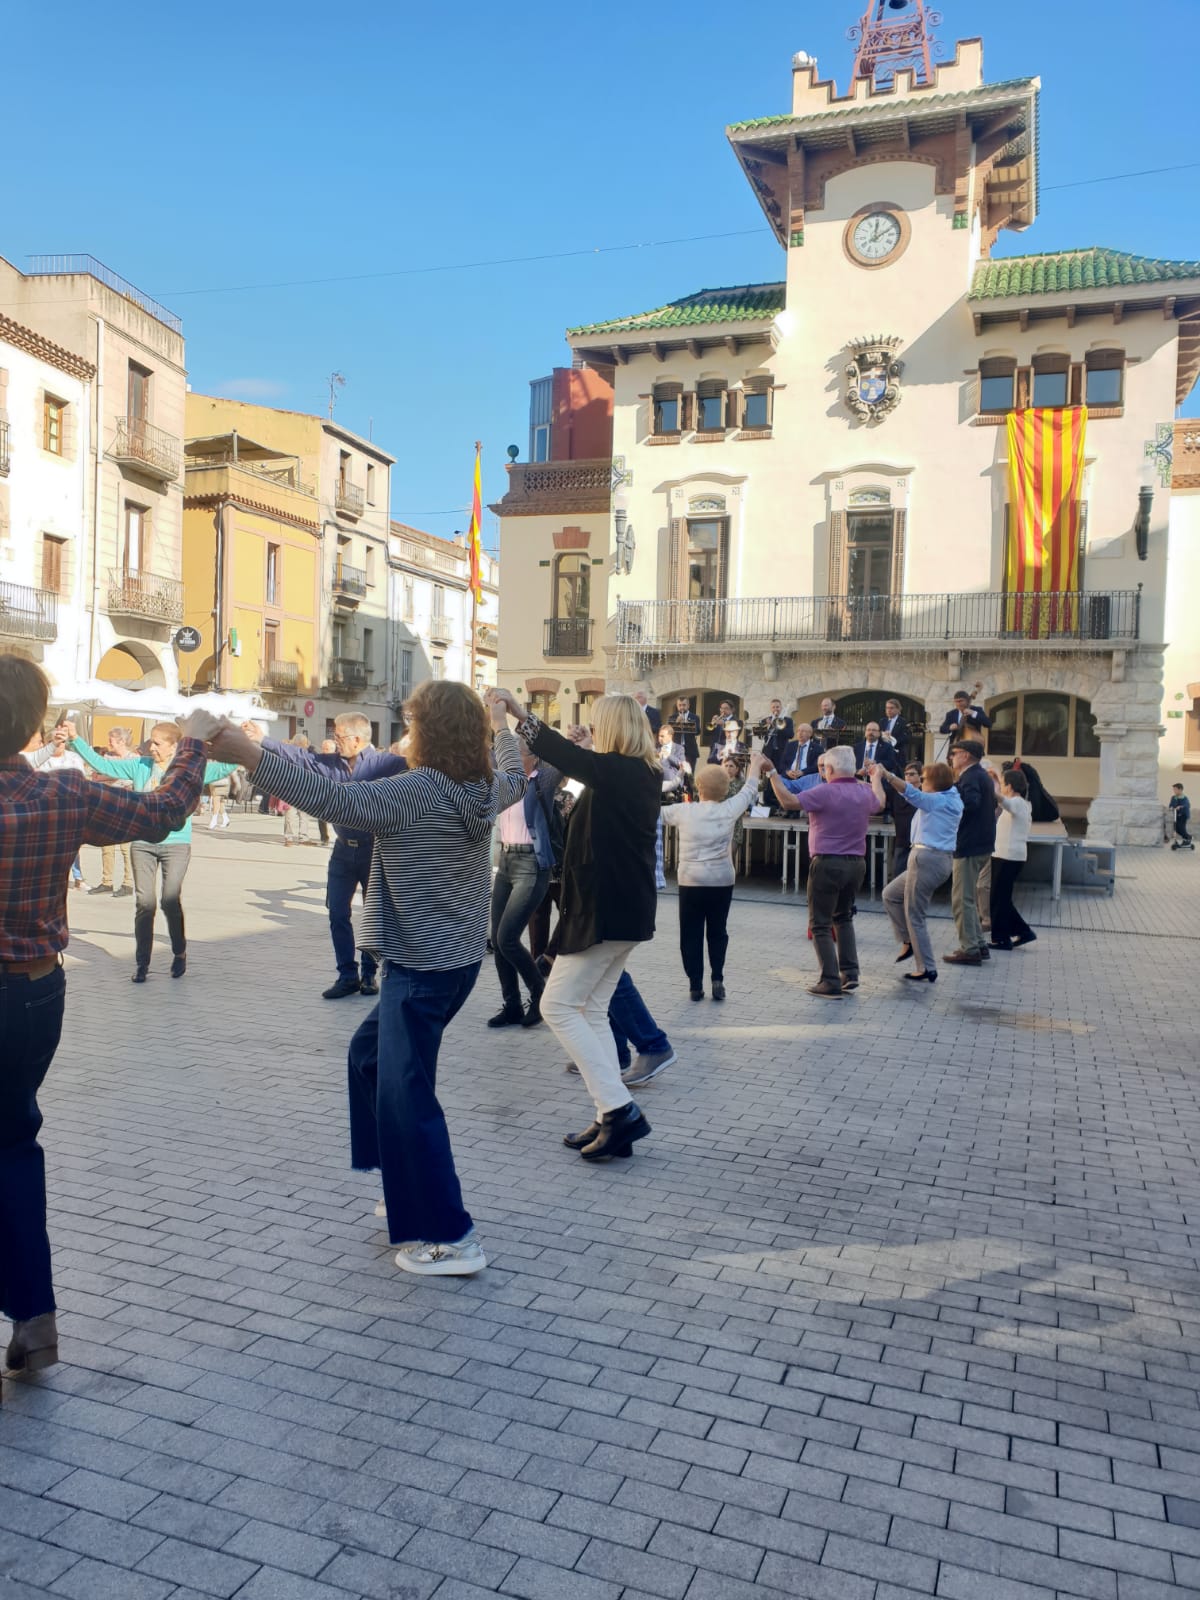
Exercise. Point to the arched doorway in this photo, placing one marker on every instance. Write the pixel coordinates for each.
(132, 666)
(1056, 733)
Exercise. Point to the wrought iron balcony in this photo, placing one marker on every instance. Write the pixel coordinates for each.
(812, 621)
(282, 676)
(145, 594)
(349, 583)
(145, 448)
(4, 456)
(441, 629)
(487, 637)
(346, 672)
(553, 486)
(28, 613)
(568, 636)
(348, 498)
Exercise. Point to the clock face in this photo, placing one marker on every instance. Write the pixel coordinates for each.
(876, 236)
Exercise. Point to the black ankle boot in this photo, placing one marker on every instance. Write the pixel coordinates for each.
(576, 1141)
(618, 1130)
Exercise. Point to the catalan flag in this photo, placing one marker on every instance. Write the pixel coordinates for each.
(1045, 478)
(473, 544)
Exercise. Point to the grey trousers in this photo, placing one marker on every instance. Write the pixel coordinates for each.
(963, 900)
(906, 901)
(147, 858)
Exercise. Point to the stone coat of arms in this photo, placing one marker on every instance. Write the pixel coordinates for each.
(873, 377)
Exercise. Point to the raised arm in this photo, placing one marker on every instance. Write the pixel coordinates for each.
(214, 771)
(572, 760)
(112, 766)
(311, 760)
(115, 816)
(39, 758)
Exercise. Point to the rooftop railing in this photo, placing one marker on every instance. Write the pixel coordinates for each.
(61, 266)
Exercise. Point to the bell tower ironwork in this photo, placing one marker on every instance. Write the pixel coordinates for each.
(894, 35)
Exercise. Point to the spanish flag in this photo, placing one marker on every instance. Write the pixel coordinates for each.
(1045, 486)
(473, 544)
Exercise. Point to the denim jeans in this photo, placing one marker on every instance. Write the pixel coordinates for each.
(833, 882)
(631, 1024)
(518, 889)
(349, 869)
(146, 860)
(396, 1123)
(31, 1019)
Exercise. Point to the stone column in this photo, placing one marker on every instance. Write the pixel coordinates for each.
(1127, 810)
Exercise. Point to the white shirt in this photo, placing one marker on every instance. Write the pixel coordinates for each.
(1012, 828)
(706, 837)
(513, 828)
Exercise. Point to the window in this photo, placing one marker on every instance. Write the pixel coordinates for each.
(1042, 725)
(1045, 721)
(438, 668)
(135, 552)
(756, 404)
(439, 603)
(368, 654)
(1191, 736)
(544, 704)
(52, 563)
(541, 418)
(1051, 374)
(541, 442)
(370, 559)
(272, 574)
(270, 644)
(706, 542)
(572, 586)
(997, 383)
(54, 416)
(668, 407)
(375, 734)
(370, 490)
(138, 407)
(408, 600)
(711, 401)
(329, 727)
(1086, 742)
(1105, 378)
(343, 468)
(397, 732)
(406, 666)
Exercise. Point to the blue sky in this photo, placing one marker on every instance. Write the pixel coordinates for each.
(205, 150)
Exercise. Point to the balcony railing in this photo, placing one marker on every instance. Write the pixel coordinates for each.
(144, 594)
(139, 444)
(558, 486)
(345, 672)
(348, 497)
(349, 581)
(812, 620)
(568, 636)
(27, 613)
(441, 629)
(69, 265)
(282, 676)
(4, 456)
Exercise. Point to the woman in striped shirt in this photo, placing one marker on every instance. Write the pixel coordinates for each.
(426, 917)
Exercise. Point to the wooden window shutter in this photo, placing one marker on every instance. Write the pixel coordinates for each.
(899, 535)
(1024, 387)
(687, 411)
(733, 408)
(1075, 394)
(675, 555)
(837, 546)
(52, 564)
(723, 561)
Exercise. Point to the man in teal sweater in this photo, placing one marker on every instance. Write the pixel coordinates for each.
(172, 855)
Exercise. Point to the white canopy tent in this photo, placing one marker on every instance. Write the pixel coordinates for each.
(93, 695)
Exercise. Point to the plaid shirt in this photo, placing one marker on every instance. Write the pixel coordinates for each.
(45, 817)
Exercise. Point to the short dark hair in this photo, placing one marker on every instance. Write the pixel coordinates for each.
(961, 694)
(1017, 781)
(24, 696)
(972, 747)
(1177, 786)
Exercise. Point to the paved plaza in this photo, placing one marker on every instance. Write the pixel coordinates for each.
(900, 1300)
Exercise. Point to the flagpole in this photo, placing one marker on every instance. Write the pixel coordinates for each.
(476, 534)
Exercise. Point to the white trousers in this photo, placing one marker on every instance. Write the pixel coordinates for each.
(575, 1004)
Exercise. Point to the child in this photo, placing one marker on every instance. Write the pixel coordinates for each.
(706, 872)
(1181, 808)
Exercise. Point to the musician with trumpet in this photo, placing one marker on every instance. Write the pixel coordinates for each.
(725, 729)
(776, 733)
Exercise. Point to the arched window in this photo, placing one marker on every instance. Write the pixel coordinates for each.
(1041, 724)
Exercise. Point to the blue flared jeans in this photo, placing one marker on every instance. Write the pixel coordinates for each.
(31, 1019)
(396, 1122)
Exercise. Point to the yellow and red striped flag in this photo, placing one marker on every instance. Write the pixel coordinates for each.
(473, 544)
(1045, 487)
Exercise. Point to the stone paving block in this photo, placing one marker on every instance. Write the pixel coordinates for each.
(795, 1577)
(648, 1572)
(612, 1522)
(95, 1580)
(29, 1514)
(709, 1552)
(270, 1583)
(206, 1570)
(93, 1491)
(532, 1580)
(108, 1540)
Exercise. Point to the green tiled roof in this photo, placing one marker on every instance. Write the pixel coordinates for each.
(882, 105)
(752, 302)
(1062, 271)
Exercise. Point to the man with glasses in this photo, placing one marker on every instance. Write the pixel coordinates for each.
(973, 849)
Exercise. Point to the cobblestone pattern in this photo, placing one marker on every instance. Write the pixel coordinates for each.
(900, 1300)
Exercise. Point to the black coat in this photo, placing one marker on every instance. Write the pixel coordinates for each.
(973, 720)
(901, 735)
(654, 718)
(885, 755)
(815, 749)
(836, 725)
(977, 825)
(608, 889)
(777, 741)
(1042, 804)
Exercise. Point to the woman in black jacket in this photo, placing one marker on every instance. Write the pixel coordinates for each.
(608, 899)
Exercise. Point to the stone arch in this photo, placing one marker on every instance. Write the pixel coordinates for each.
(132, 663)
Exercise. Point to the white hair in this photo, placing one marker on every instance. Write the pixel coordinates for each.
(840, 761)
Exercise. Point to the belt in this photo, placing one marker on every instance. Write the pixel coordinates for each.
(352, 844)
(839, 855)
(41, 968)
(519, 849)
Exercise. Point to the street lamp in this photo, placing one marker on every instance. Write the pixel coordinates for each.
(626, 542)
(1141, 524)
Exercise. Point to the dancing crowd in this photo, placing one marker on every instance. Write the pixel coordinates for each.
(467, 841)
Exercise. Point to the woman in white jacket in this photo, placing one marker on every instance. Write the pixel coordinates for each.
(706, 871)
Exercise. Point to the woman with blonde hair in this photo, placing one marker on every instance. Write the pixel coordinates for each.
(426, 916)
(608, 898)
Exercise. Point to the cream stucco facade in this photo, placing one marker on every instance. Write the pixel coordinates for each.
(810, 524)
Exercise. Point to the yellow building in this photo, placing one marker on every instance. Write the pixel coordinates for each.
(251, 574)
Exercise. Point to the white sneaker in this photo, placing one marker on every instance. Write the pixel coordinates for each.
(225, 819)
(215, 823)
(461, 1260)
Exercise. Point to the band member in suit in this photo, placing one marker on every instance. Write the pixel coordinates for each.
(829, 721)
(718, 727)
(653, 715)
(895, 730)
(685, 725)
(778, 733)
(873, 748)
(965, 720)
(800, 757)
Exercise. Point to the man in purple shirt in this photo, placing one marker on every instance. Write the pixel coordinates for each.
(839, 812)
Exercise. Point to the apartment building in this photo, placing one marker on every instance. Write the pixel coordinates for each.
(123, 435)
(351, 478)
